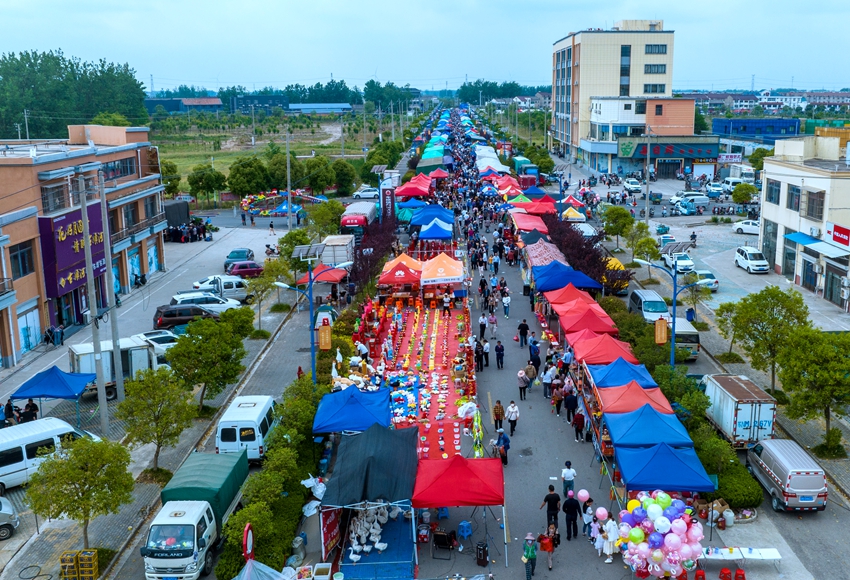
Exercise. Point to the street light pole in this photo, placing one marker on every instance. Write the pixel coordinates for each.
(648, 153)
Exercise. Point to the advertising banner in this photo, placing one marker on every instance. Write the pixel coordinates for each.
(63, 250)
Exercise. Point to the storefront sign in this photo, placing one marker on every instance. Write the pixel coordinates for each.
(838, 234)
(63, 250)
(730, 158)
(636, 148)
(660, 331)
(330, 530)
(325, 336)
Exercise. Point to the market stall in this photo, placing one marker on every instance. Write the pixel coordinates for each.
(630, 397)
(603, 349)
(645, 427)
(352, 410)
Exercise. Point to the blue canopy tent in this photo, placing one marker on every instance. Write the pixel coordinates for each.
(556, 275)
(283, 208)
(619, 373)
(534, 190)
(352, 410)
(412, 203)
(435, 231)
(424, 216)
(662, 467)
(645, 427)
(55, 384)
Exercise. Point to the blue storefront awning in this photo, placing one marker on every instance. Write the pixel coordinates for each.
(817, 245)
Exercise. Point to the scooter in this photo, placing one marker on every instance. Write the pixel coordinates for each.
(139, 281)
(694, 239)
(664, 212)
(272, 251)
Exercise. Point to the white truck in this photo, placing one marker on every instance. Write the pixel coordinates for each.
(196, 503)
(338, 249)
(742, 412)
(743, 172)
(136, 354)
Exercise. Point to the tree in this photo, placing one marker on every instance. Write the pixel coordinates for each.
(647, 249)
(260, 287)
(700, 124)
(320, 175)
(209, 354)
(170, 177)
(277, 171)
(241, 320)
(345, 176)
(617, 221)
(723, 316)
(247, 176)
(696, 293)
(205, 180)
(287, 245)
(756, 158)
(110, 120)
(758, 111)
(744, 192)
(639, 231)
(157, 409)
(813, 368)
(764, 321)
(84, 479)
(323, 219)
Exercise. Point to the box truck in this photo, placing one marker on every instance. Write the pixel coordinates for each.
(743, 172)
(742, 412)
(136, 354)
(338, 249)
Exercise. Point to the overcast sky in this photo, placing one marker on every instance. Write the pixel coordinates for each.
(426, 43)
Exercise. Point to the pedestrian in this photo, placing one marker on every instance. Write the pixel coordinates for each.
(522, 331)
(571, 510)
(549, 541)
(506, 303)
(486, 353)
(557, 398)
(59, 336)
(522, 383)
(495, 263)
(532, 342)
(512, 415)
(529, 555)
(596, 535)
(535, 361)
(479, 356)
(9, 413)
(243, 218)
(252, 221)
(530, 372)
(578, 423)
(568, 476)
(498, 414)
(492, 303)
(552, 501)
(493, 323)
(587, 517)
(271, 228)
(609, 534)
(500, 355)
(300, 373)
(546, 379)
(482, 325)
(503, 444)
(571, 403)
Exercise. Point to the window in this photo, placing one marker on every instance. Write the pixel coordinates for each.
(793, 201)
(131, 216)
(202, 528)
(627, 107)
(656, 49)
(771, 190)
(655, 69)
(264, 427)
(53, 197)
(624, 70)
(11, 457)
(640, 107)
(654, 88)
(22, 261)
(228, 435)
(151, 206)
(120, 168)
(814, 205)
(659, 109)
(33, 448)
(624, 90)
(209, 515)
(626, 50)
(247, 434)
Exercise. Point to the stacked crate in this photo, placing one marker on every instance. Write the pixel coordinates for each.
(69, 565)
(88, 565)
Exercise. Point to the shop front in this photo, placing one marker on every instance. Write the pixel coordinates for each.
(669, 156)
(63, 256)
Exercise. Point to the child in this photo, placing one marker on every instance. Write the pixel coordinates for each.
(598, 540)
(587, 518)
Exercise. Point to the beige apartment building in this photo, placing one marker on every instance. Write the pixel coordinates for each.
(632, 59)
(43, 279)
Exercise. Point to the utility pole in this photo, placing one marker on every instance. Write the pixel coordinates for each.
(95, 331)
(253, 130)
(27, 122)
(648, 165)
(288, 187)
(392, 120)
(479, 98)
(18, 127)
(364, 127)
(109, 282)
(153, 93)
(342, 132)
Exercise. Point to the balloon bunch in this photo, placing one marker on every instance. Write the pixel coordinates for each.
(662, 539)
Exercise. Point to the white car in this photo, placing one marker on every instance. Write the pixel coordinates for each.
(208, 300)
(714, 189)
(677, 197)
(632, 185)
(713, 283)
(681, 260)
(366, 193)
(746, 227)
(205, 284)
(161, 340)
(751, 260)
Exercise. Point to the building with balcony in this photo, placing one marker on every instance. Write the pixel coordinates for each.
(43, 279)
(805, 215)
(632, 59)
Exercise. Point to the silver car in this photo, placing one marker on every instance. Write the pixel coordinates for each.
(9, 520)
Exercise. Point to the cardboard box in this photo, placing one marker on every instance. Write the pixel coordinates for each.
(699, 505)
(719, 505)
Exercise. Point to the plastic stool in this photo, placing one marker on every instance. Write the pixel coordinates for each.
(699, 575)
(725, 574)
(464, 530)
(443, 512)
(740, 574)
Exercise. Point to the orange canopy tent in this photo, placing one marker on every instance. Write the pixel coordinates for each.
(631, 397)
(567, 294)
(603, 350)
(403, 259)
(442, 270)
(326, 274)
(590, 320)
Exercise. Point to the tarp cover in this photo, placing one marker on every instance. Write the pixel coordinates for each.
(533, 237)
(662, 467)
(459, 482)
(442, 270)
(425, 215)
(557, 275)
(176, 212)
(645, 427)
(254, 570)
(620, 372)
(602, 350)
(54, 384)
(568, 294)
(541, 253)
(578, 306)
(588, 320)
(352, 410)
(632, 396)
(378, 464)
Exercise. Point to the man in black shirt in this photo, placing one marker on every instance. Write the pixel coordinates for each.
(552, 501)
(571, 510)
(522, 331)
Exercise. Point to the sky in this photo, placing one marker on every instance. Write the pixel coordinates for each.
(428, 44)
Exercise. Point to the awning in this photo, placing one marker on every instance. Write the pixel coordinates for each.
(325, 274)
(817, 245)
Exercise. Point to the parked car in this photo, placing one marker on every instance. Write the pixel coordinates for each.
(248, 269)
(677, 197)
(366, 193)
(746, 227)
(206, 299)
(205, 284)
(793, 479)
(714, 190)
(238, 255)
(632, 185)
(751, 260)
(714, 284)
(164, 338)
(9, 520)
(681, 260)
(168, 316)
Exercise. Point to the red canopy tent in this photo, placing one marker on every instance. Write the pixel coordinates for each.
(573, 201)
(437, 174)
(411, 189)
(330, 275)
(422, 180)
(546, 199)
(539, 208)
(526, 223)
(575, 337)
(577, 307)
(400, 274)
(567, 294)
(603, 350)
(631, 397)
(589, 320)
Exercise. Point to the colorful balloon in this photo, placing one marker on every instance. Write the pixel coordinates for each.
(663, 499)
(670, 513)
(633, 503)
(601, 513)
(622, 514)
(636, 535)
(656, 540)
(678, 527)
(623, 530)
(657, 556)
(685, 551)
(583, 495)
(662, 524)
(679, 505)
(639, 514)
(629, 519)
(689, 565)
(647, 526)
(654, 512)
(673, 542)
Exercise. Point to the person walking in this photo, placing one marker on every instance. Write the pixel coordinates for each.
(482, 325)
(578, 424)
(529, 555)
(506, 303)
(486, 353)
(243, 218)
(571, 403)
(568, 476)
(495, 263)
(587, 517)
(498, 414)
(512, 415)
(549, 541)
(500, 355)
(546, 379)
(522, 382)
(610, 535)
(493, 323)
(271, 228)
(252, 221)
(530, 372)
(479, 356)
(522, 331)
(503, 444)
(572, 509)
(552, 501)
(557, 398)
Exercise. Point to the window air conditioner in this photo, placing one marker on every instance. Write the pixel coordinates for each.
(845, 293)
(86, 317)
(818, 269)
(814, 232)
(845, 282)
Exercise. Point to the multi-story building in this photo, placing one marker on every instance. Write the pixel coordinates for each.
(184, 105)
(805, 215)
(42, 184)
(713, 102)
(632, 59)
(772, 101)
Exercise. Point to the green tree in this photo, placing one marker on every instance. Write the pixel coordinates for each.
(744, 192)
(323, 218)
(287, 245)
(617, 221)
(674, 382)
(247, 176)
(241, 320)
(157, 409)
(696, 403)
(110, 120)
(647, 249)
(170, 177)
(700, 124)
(345, 176)
(756, 158)
(205, 180)
(813, 368)
(763, 321)
(758, 111)
(320, 174)
(716, 455)
(260, 287)
(696, 293)
(209, 354)
(84, 479)
(723, 316)
(639, 231)
(277, 171)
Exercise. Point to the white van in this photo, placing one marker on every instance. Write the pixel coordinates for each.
(793, 480)
(246, 424)
(730, 183)
(19, 447)
(232, 287)
(648, 304)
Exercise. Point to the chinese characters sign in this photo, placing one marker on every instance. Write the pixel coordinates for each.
(63, 250)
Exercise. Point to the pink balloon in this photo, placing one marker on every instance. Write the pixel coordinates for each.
(647, 526)
(644, 550)
(678, 527)
(685, 552)
(675, 570)
(673, 542)
(601, 513)
(696, 549)
(583, 495)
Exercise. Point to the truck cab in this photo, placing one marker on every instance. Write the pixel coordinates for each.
(180, 542)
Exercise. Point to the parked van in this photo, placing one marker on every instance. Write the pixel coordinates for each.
(19, 447)
(794, 481)
(730, 183)
(246, 424)
(648, 304)
(686, 336)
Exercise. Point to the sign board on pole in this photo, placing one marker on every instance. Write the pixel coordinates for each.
(325, 336)
(387, 199)
(660, 331)
(330, 530)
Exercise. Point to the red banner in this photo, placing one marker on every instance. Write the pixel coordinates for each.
(330, 530)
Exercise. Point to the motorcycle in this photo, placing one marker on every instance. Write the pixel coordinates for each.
(664, 212)
(700, 210)
(652, 212)
(694, 239)
(272, 251)
(139, 281)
